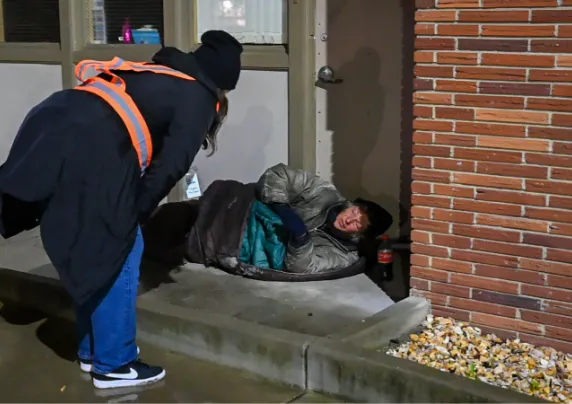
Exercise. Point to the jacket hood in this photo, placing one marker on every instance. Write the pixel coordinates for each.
(185, 63)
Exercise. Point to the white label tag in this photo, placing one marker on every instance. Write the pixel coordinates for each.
(193, 188)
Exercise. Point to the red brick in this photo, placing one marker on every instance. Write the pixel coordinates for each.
(550, 133)
(449, 312)
(546, 318)
(435, 15)
(485, 258)
(561, 90)
(494, 45)
(552, 16)
(509, 249)
(488, 155)
(502, 334)
(456, 140)
(420, 260)
(562, 282)
(561, 229)
(423, 43)
(549, 187)
(546, 293)
(432, 251)
(465, 114)
(512, 223)
(486, 233)
(507, 299)
(538, 341)
(479, 128)
(551, 45)
(559, 333)
(426, 124)
(487, 207)
(451, 265)
(433, 71)
(424, 162)
(454, 165)
(558, 307)
(559, 255)
(482, 307)
(451, 241)
(512, 170)
(512, 144)
(452, 216)
(565, 31)
(484, 283)
(560, 202)
(420, 237)
(423, 111)
(431, 201)
(548, 160)
(514, 88)
(519, 3)
(424, 57)
(422, 137)
(506, 323)
(424, 3)
(421, 284)
(549, 214)
(429, 274)
(458, 4)
(451, 190)
(489, 101)
(430, 225)
(425, 29)
(423, 84)
(487, 181)
(494, 195)
(562, 120)
(495, 115)
(457, 58)
(563, 147)
(432, 98)
(510, 274)
(546, 240)
(434, 298)
(493, 16)
(518, 30)
(488, 73)
(550, 75)
(433, 151)
(561, 174)
(462, 86)
(524, 60)
(421, 188)
(550, 104)
(564, 60)
(450, 290)
(421, 211)
(458, 30)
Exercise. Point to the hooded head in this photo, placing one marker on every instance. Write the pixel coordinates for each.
(219, 58)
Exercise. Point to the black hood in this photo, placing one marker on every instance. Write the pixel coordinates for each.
(185, 63)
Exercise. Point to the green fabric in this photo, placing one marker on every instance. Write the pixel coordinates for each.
(264, 239)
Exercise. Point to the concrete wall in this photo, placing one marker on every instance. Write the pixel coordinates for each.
(255, 135)
(23, 86)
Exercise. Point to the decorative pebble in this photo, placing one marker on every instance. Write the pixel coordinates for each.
(458, 348)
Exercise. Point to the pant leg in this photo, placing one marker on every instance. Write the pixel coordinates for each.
(84, 332)
(113, 321)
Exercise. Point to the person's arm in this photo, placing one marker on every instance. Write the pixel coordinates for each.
(311, 258)
(183, 141)
(290, 186)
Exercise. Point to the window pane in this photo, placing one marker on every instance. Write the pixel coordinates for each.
(250, 21)
(125, 21)
(30, 21)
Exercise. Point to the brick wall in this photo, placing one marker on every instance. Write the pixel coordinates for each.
(492, 190)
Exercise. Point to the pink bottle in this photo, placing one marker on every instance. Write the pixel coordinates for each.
(127, 32)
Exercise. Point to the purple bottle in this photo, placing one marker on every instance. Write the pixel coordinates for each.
(127, 32)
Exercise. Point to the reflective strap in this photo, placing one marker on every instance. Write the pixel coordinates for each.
(123, 104)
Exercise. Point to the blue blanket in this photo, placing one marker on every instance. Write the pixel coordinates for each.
(264, 239)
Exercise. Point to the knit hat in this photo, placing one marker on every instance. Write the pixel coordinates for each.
(380, 220)
(219, 58)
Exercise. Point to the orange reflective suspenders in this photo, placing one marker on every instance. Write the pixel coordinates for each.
(113, 92)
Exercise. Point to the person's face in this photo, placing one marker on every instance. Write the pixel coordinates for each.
(351, 220)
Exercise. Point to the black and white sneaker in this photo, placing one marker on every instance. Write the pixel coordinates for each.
(134, 374)
(86, 365)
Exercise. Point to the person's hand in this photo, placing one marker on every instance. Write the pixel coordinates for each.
(293, 223)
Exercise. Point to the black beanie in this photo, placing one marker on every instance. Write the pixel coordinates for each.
(380, 220)
(219, 58)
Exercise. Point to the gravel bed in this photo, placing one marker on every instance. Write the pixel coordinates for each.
(457, 347)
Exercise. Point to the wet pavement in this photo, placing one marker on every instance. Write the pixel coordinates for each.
(37, 357)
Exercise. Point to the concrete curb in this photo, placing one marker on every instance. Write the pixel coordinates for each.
(326, 365)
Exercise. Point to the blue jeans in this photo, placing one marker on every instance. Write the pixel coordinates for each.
(107, 325)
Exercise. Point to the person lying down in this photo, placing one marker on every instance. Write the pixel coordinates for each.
(291, 221)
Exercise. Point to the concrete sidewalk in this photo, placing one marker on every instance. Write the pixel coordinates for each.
(324, 336)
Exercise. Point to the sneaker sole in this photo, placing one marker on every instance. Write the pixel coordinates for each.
(112, 384)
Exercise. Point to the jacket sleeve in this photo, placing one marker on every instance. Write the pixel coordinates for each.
(182, 142)
(310, 258)
(290, 186)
